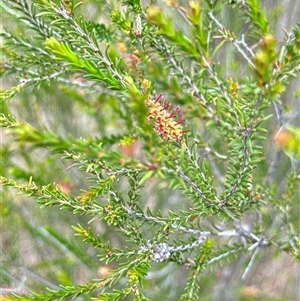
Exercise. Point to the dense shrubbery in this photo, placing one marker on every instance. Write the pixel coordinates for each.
(161, 136)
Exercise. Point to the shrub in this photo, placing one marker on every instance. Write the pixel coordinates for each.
(161, 135)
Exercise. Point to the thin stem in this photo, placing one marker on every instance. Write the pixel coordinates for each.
(250, 264)
(95, 49)
(226, 254)
(236, 42)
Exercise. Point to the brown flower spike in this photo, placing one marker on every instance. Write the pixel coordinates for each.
(167, 123)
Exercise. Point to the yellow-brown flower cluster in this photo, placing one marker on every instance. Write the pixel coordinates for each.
(166, 119)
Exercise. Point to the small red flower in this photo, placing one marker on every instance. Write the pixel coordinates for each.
(167, 119)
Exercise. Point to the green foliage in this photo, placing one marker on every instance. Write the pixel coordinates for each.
(159, 155)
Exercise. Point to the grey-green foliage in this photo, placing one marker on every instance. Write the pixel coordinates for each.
(158, 152)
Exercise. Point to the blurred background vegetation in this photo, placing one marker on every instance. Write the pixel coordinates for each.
(38, 247)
